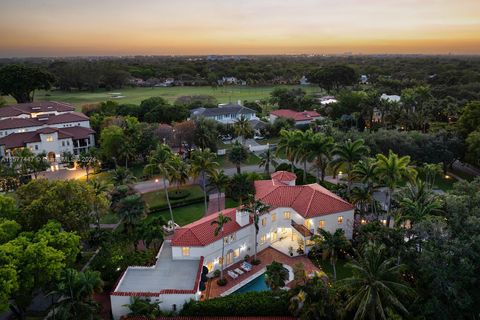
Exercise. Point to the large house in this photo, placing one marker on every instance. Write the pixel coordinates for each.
(225, 113)
(295, 214)
(300, 117)
(44, 127)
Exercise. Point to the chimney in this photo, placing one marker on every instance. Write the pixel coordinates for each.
(242, 217)
(240, 102)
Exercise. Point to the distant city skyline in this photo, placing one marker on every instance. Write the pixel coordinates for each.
(35, 28)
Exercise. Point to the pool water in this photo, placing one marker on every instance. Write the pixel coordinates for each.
(257, 284)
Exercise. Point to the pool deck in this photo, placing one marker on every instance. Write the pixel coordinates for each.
(266, 257)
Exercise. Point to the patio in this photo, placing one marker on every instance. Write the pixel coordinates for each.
(266, 257)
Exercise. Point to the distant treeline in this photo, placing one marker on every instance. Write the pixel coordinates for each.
(457, 77)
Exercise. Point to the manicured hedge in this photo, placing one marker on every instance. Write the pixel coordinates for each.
(265, 303)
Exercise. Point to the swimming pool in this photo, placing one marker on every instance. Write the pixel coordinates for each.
(257, 284)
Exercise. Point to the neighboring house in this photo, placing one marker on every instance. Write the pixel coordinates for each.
(231, 80)
(364, 79)
(326, 100)
(390, 98)
(300, 118)
(50, 127)
(226, 113)
(304, 81)
(296, 213)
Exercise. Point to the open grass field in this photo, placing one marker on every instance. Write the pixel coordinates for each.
(136, 95)
(182, 215)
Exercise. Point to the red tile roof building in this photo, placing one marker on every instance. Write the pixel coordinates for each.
(300, 117)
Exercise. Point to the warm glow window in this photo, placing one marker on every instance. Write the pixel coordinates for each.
(286, 215)
(185, 251)
(321, 224)
(274, 217)
(340, 219)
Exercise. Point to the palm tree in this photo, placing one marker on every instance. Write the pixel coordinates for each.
(178, 171)
(256, 208)
(347, 154)
(331, 244)
(127, 151)
(76, 290)
(416, 202)
(151, 231)
(237, 155)
(319, 150)
(160, 160)
(100, 190)
(203, 163)
(266, 159)
(122, 176)
(287, 145)
(364, 172)
(242, 128)
(218, 180)
(391, 170)
(303, 149)
(220, 223)
(143, 308)
(87, 161)
(276, 276)
(361, 197)
(131, 209)
(375, 285)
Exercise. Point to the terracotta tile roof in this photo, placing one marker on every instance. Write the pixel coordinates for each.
(310, 200)
(18, 140)
(42, 120)
(295, 115)
(201, 232)
(284, 176)
(33, 107)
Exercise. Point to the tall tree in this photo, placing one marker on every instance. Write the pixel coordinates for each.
(237, 155)
(21, 81)
(266, 159)
(76, 290)
(218, 180)
(243, 128)
(347, 154)
(375, 285)
(219, 224)
(256, 208)
(331, 244)
(320, 148)
(131, 209)
(202, 164)
(88, 161)
(391, 170)
(160, 161)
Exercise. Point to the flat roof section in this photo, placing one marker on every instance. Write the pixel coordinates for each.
(166, 274)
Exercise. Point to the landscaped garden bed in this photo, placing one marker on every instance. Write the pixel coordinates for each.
(157, 200)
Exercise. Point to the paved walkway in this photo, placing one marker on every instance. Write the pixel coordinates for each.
(266, 256)
(216, 203)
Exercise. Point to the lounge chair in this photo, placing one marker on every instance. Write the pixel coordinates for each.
(232, 274)
(240, 272)
(246, 266)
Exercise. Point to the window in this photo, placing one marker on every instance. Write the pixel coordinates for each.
(264, 221)
(36, 147)
(286, 215)
(49, 139)
(273, 236)
(236, 253)
(321, 224)
(185, 251)
(63, 143)
(263, 239)
(340, 219)
(274, 217)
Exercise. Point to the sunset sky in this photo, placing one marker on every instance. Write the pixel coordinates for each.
(126, 27)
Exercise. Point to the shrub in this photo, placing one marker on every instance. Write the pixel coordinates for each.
(264, 303)
(222, 282)
(179, 194)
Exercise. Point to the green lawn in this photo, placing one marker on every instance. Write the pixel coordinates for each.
(158, 199)
(230, 203)
(182, 215)
(342, 270)
(136, 95)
